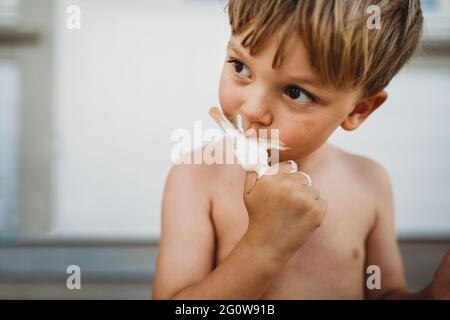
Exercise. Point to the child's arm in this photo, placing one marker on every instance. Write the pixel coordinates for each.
(185, 266)
(186, 248)
(383, 251)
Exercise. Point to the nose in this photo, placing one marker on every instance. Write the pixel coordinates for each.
(256, 111)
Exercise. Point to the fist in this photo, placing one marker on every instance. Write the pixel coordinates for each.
(283, 209)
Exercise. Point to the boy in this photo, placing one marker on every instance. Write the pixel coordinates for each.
(305, 68)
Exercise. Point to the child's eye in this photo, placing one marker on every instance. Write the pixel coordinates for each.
(240, 68)
(298, 95)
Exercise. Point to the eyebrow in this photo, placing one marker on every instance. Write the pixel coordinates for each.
(304, 80)
(231, 46)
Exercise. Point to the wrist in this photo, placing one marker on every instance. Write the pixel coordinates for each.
(268, 254)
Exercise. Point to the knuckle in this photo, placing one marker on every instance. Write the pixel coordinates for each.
(287, 185)
(301, 197)
(318, 212)
(310, 191)
(317, 217)
(316, 192)
(265, 178)
(314, 221)
(266, 181)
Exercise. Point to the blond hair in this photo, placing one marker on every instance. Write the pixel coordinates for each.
(342, 49)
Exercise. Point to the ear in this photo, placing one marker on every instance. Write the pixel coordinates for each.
(363, 109)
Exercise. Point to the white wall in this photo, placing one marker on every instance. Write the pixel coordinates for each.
(125, 81)
(137, 70)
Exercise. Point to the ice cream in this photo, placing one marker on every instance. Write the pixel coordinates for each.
(250, 151)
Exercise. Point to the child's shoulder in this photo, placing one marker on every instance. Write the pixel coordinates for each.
(189, 168)
(198, 170)
(367, 171)
(195, 174)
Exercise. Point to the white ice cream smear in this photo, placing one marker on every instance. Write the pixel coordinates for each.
(251, 152)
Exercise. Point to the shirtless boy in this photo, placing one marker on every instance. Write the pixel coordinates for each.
(305, 68)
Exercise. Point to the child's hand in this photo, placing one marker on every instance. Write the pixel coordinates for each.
(283, 210)
(440, 286)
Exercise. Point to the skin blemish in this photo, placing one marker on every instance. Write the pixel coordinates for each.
(355, 253)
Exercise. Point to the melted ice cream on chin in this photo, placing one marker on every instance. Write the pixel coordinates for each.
(252, 155)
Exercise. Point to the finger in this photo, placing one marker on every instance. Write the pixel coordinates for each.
(300, 178)
(282, 167)
(315, 193)
(251, 178)
(251, 133)
(323, 205)
(307, 177)
(294, 166)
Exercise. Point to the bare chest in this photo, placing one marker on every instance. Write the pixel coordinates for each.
(329, 265)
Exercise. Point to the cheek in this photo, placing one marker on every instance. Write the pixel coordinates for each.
(298, 133)
(229, 97)
(307, 134)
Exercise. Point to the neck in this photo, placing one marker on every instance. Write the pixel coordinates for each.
(314, 160)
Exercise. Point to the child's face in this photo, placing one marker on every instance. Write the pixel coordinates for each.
(290, 98)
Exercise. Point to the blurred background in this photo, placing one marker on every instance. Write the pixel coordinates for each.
(86, 116)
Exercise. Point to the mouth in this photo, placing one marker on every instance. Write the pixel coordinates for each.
(234, 127)
(253, 152)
